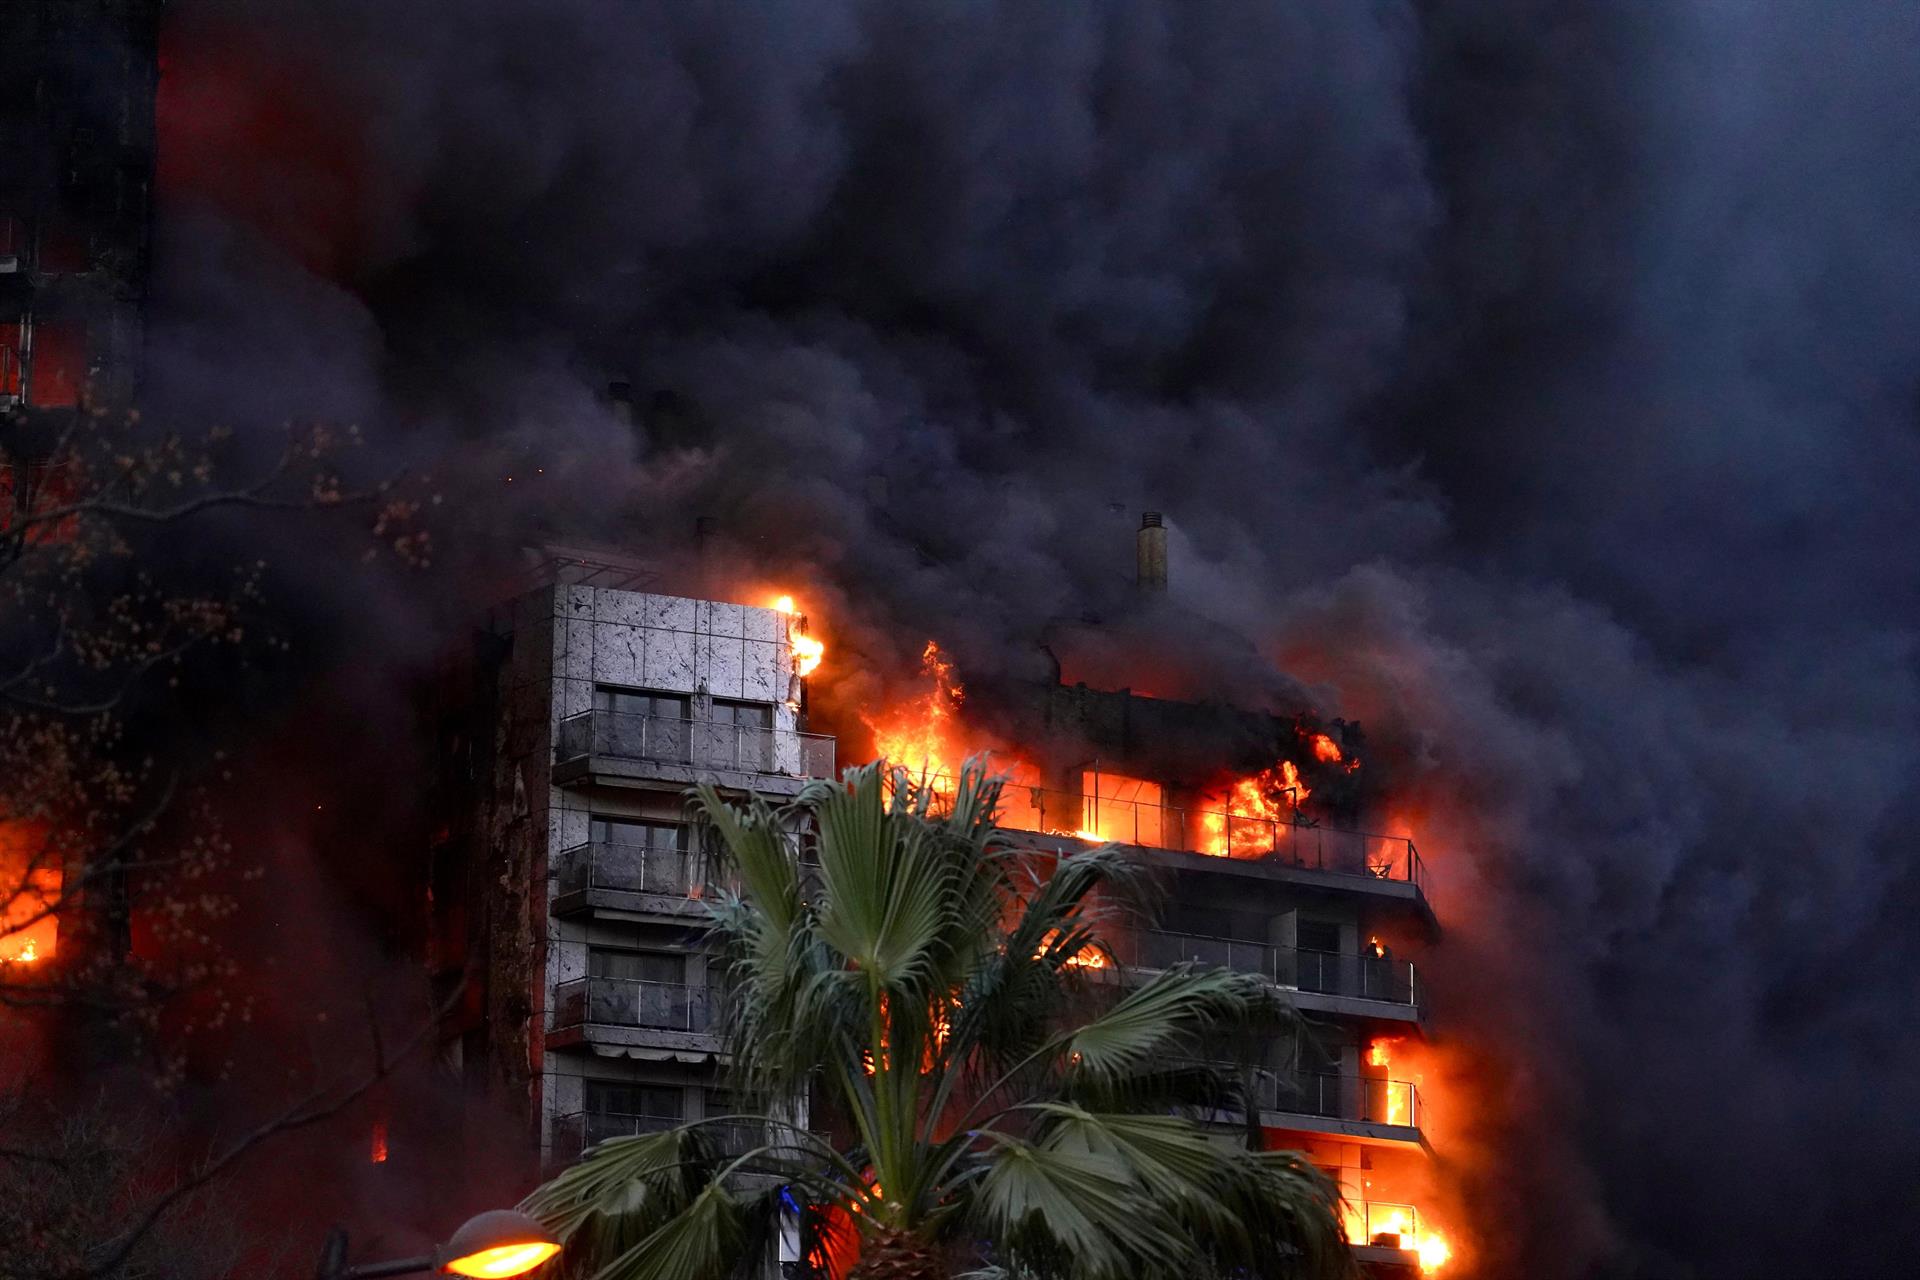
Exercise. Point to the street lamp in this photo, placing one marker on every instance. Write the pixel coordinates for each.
(488, 1246)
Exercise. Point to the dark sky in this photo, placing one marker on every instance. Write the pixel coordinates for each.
(1538, 380)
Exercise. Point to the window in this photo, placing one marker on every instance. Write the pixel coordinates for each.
(637, 966)
(639, 833)
(639, 725)
(641, 857)
(624, 1098)
(1318, 935)
(747, 715)
(737, 735)
(630, 702)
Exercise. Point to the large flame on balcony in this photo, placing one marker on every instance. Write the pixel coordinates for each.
(1244, 821)
(29, 893)
(1380, 1055)
(923, 734)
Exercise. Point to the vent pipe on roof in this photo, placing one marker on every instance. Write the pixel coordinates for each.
(1151, 546)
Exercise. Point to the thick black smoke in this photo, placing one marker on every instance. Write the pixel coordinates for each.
(1536, 380)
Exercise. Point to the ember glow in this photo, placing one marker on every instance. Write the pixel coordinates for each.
(29, 893)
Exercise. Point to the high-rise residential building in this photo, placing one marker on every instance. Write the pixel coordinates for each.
(570, 893)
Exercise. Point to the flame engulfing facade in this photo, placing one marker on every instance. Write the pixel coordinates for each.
(569, 882)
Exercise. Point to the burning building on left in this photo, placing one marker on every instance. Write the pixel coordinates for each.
(77, 94)
(77, 153)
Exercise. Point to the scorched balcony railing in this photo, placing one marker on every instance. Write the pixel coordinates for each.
(698, 744)
(1364, 976)
(629, 1002)
(633, 868)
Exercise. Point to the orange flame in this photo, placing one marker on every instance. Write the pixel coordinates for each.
(1398, 1092)
(807, 651)
(1326, 749)
(377, 1154)
(1265, 799)
(922, 735)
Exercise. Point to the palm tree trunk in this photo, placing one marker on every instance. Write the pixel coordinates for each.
(898, 1255)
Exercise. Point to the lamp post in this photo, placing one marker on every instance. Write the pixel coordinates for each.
(488, 1246)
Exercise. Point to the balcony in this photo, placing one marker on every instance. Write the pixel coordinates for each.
(1383, 1109)
(611, 745)
(1232, 838)
(630, 877)
(1387, 1234)
(626, 1011)
(1363, 985)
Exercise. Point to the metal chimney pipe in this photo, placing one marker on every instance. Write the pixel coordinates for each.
(1151, 548)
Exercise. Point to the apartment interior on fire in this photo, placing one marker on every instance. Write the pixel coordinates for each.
(569, 886)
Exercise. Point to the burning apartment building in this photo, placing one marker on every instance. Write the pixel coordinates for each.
(570, 885)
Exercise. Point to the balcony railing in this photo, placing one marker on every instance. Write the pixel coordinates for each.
(1368, 1099)
(1211, 831)
(1381, 1224)
(699, 744)
(585, 1129)
(633, 868)
(626, 1002)
(1360, 977)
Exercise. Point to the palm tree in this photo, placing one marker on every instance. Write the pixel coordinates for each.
(1003, 1102)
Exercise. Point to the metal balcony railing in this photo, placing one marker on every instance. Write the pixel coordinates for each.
(1381, 1223)
(699, 744)
(1369, 1099)
(1211, 831)
(574, 1133)
(627, 1002)
(585, 1129)
(1361, 977)
(633, 868)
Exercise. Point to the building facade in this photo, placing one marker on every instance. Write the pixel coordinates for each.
(570, 900)
(594, 1009)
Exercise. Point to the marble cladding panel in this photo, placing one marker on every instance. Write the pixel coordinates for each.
(574, 696)
(578, 664)
(763, 671)
(671, 613)
(618, 653)
(725, 619)
(672, 661)
(627, 608)
(765, 624)
(724, 657)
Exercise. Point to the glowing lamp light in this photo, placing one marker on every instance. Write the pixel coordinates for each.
(500, 1242)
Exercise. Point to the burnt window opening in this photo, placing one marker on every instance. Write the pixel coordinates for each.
(1318, 935)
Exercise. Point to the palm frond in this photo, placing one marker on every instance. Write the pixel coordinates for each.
(1163, 1019)
(1068, 1212)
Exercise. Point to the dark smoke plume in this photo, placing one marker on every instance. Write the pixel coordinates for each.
(1533, 380)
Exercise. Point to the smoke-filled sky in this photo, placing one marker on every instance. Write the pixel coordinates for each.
(1536, 380)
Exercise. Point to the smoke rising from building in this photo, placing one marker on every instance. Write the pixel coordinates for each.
(1533, 382)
